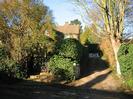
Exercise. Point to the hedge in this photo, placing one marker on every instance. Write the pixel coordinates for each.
(10, 68)
(70, 48)
(125, 56)
(64, 63)
(63, 68)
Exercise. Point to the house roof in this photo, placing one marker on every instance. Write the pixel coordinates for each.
(69, 29)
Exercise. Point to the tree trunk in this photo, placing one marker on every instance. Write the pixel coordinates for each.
(116, 45)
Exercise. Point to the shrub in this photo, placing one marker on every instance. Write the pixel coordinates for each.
(11, 69)
(108, 53)
(70, 48)
(3, 52)
(129, 84)
(62, 67)
(65, 63)
(36, 53)
(34, 58)
(125, 56)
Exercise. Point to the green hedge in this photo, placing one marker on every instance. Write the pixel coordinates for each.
(34, 54)
(64, 63)
(63, 68)
(125, 56)
(37, 53)
(70, 48)
(3, 52)
(34, 58)
(10, 68)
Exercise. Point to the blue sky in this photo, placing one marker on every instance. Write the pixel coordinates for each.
(63, 10)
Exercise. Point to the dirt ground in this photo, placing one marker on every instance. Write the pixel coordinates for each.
(36, 90)
(96, 82)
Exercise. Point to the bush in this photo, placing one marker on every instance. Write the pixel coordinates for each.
(125, 56)
(34, 58)
(11, 69)
(65, 63)
(36, 53)
(3, 52)
(129, 84)
(64, 68)
(70, 48)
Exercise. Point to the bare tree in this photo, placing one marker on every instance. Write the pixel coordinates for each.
(107, 17)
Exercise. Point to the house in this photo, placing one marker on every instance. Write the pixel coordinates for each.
(69, 30)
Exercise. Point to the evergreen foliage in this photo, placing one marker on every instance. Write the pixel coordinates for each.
(126, 62)
(24, 45)
(63, 68)
(65, 64)
(70, 48)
